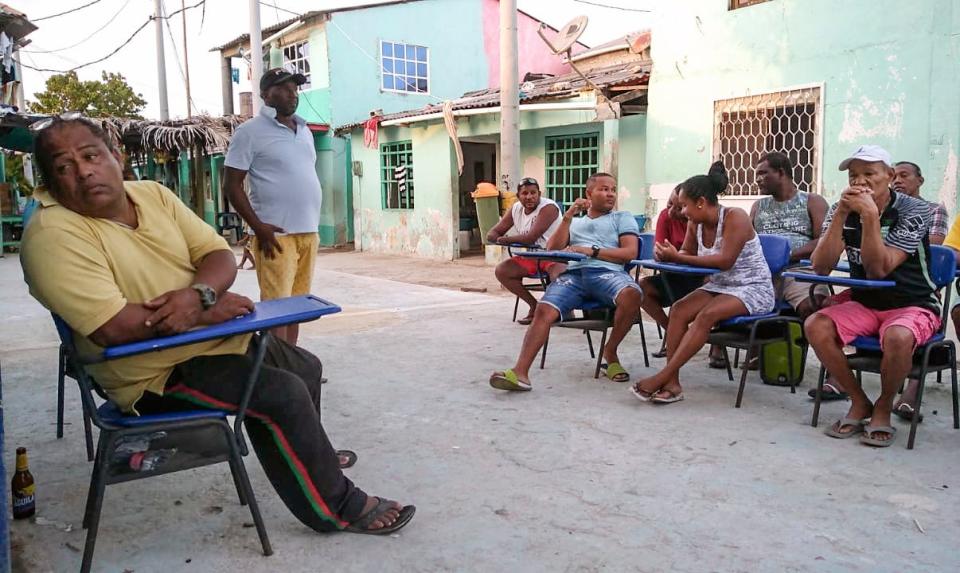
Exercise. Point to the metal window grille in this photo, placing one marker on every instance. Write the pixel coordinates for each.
(571, 160)
(296, 58)
(747, 127)
(396, 175)
(404, 68)
(734, 4)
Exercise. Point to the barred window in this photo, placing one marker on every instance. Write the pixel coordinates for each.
(396, 175)
(734, 4)
(747, 127)
(296, 58)
(404, 68)
(571, 160)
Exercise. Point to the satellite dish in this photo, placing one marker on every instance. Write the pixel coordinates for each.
(568, 35)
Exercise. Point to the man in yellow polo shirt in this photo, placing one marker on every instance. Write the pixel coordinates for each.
(122, 262)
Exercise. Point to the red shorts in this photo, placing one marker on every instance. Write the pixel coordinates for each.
(852, 319)
(530, 265)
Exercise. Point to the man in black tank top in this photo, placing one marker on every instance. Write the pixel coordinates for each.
(884, 234)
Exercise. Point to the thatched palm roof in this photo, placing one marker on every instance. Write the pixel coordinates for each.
(137, 135)
(201, 132)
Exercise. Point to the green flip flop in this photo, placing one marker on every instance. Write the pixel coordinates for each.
(615, 372)
(507, 380)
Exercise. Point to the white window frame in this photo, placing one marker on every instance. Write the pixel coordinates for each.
(297, 64)
(404, 59)
(816, 185)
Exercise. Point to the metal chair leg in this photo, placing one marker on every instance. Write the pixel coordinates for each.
(590, 343)
(743, 376)
(92, 520)
(816, 397)
(91, 491)
(543, 351)
(603, 341)
(915, 419)
(643, 342)
(88, 436)
(61, 377)
(251, 498)
(235, 471)
(726, 358)
(516, 305)
(736, 359)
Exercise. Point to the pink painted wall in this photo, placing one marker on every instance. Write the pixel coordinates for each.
(535, 56)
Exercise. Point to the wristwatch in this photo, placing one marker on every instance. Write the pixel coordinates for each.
(208, 296)
(596, 251)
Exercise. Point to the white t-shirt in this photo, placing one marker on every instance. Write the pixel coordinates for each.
(284, 188)
(522, 222)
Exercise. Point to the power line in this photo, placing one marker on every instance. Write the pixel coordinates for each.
(176, 55)
(94, 33)
(612, 7)
(118, 48)
(64, 13)
(274, 6)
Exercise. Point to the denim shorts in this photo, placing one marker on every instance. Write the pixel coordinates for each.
(573, 288)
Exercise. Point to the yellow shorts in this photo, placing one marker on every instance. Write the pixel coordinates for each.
(288, 273)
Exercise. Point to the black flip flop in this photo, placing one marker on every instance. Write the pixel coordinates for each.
(828, 395)
(905, 412)
(360, 524)
(351, 458)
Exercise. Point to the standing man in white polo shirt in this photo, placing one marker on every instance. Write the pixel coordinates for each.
(283, 210)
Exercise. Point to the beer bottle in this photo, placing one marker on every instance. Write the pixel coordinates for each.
(22, 488)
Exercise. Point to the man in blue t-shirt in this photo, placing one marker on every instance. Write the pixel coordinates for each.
(609, 239)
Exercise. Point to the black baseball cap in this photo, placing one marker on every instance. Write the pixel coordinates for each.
(276, 76)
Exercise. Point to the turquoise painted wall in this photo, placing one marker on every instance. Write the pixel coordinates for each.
(429, 230)
(888, 70)
(355, 75)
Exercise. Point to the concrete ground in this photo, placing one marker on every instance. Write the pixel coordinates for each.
(574, 476)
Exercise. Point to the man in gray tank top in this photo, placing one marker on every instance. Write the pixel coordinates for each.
(790, 213)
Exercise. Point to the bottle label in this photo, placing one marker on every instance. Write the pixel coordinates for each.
(24, 497)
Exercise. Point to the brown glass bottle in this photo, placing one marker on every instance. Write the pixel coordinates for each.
(22, 488)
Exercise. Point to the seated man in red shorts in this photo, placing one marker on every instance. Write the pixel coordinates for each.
(885, 234)
(531, 221)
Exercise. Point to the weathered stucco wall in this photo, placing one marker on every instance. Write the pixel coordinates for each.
(888, 70)
(429, 230)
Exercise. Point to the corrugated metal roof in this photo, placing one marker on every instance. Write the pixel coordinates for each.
(559, 87)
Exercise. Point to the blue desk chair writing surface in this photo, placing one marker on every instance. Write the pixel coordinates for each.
(595, 317)
(191, 438)
(937, 354)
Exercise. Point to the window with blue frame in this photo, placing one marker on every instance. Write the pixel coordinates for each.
(404, 67)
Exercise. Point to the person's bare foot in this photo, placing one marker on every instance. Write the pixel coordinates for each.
(878, 419)
(648, 386)
(857, 412)
(386, 518)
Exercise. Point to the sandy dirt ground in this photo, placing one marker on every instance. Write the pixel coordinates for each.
(575, 476)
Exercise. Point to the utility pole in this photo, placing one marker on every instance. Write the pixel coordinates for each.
(256, 54)
(509, 97)
(186, 60)
(161, 62)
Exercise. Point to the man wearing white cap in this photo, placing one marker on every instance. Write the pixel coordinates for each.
(885, 235)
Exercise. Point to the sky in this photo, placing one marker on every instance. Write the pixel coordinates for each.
(88, 34)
